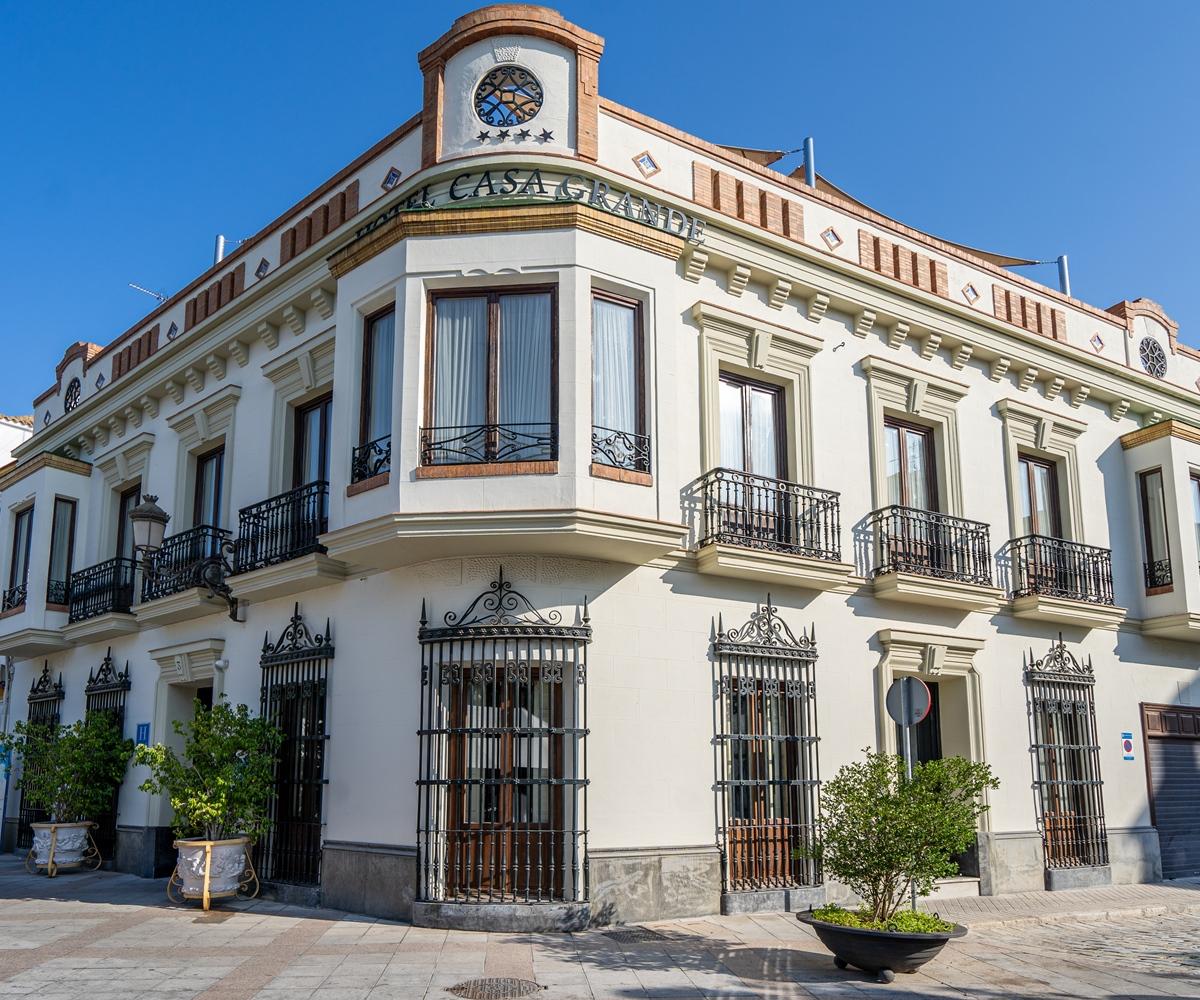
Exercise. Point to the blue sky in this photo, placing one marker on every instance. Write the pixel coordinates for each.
(133, 133)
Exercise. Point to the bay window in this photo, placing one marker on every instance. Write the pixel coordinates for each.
(490, 390)
(619, 438)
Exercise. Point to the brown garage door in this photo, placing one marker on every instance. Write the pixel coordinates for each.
(1173, 770)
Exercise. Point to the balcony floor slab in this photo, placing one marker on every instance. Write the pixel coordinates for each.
(1184, 626)
(283, 579)
(914, 588)
(109, 626)
(195, 602)
(787, 568)
(24, 643)
(1064, 611)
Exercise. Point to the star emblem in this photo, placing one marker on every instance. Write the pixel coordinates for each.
(484, 136)
(502, 134)
(524, 134)
(546, 135)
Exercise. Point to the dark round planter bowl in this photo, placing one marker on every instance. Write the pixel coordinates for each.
(883, 953)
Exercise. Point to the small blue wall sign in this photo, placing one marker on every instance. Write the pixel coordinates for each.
(1127, 746)
(143, 734)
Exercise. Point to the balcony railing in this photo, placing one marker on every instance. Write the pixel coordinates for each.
(1055, 567)
(184, 561)
(478, 444)
(925, 542)
(284, 527)
(371, 459)
(101, 589)
(621, 449)
(1158, 573)
(57, 592)
(14, 597)
(757, 512)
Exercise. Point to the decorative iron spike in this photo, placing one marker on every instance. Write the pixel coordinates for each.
(328, 630)
(424, 618)
(586, 617)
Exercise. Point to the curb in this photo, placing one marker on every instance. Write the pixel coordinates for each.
(1155, 910)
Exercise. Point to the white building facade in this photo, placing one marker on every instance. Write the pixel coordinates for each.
(571, 489)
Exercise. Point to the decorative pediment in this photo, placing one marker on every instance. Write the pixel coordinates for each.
(188, 661)
(206, 419)
(928, 653)
(127, 461)
(302, 369)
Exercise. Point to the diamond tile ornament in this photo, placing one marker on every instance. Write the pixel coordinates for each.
(970, 293)
(831, 238)
(264, 266)
(100, 380)
(646, 163)
(1097, 342)
(173, 329)
(390, 180)
(46, 415)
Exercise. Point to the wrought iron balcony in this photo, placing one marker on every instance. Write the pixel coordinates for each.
(284, 527)
(101, 589)
(1055, 567)
(925, 542)
(477, 444)
(371, 459)
(57, 592)
(14, 597)
(189, 559)
(757, 512)
(1158, 573)
(621, 449)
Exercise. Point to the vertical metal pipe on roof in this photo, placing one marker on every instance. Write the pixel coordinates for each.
(219, 249)
(810, 163)
(1064, 275)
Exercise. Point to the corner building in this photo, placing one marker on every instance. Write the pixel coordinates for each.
(571, 489)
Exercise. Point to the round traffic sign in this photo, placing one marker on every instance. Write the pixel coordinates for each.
(908, 701)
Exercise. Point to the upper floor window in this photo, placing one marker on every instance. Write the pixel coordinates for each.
(373, 454)
(490, 393)
(72, 396)
(210, 473)
(18, 567)
(911, 478)
(62, 546)
(752, 427)
(619, 437)
(1195, 482)
(310, 450)
(1154, 529)
(126, 501)
(1038, 490)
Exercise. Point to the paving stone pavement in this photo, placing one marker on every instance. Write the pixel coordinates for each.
(102, 935)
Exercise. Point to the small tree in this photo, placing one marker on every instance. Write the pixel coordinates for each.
(70, 771)
(222, 786)
(882, 832)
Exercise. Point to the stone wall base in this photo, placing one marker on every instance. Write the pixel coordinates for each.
(292, 895)
(8, 835)
(1014, 861)
(145, 851)
(773, 900)
(1133, 855)
(526, 918)
(1077, 878)
(376, 879)
(634, 884)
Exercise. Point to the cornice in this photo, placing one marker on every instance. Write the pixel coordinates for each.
(44, 460)
(1165, 428)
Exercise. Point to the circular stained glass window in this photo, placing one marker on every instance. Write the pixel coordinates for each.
(507, 96)
(71, 398)
(1154, 358)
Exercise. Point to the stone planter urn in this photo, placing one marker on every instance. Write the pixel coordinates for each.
(212, 869)
(62, 845)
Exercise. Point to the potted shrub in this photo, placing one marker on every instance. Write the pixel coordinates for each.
(220, 789)
(69, 772)
(883, 835)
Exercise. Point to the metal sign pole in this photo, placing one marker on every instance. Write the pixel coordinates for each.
(906, 708)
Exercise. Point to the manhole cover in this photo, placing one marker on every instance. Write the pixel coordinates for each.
(494, 989)
(633, 935)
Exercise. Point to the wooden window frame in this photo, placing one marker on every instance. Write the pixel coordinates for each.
(74, 505)
(492, 294)
(781, 441)
(18, 516)
(201, 460)
(122, 515)
(368, 361)
(1144, 505)
(931, 477)
(324, 403)
(639, 348)
(1025, 464)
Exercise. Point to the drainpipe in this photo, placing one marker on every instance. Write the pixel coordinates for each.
(810, 163)
(6, 674)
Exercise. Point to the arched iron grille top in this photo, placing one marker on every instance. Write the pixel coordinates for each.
(501, 611)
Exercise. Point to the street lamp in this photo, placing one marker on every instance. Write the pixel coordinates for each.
(149, 523)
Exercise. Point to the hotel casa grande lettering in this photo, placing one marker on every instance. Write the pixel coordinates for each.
(519, 185)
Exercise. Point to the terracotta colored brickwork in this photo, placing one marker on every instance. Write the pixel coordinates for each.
(1034, 316)
(752, 204)
(895, 261)
(134, 353)
(315, 226)
(221, 292)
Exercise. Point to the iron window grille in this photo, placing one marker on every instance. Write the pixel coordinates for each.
(105, 692)
(282, 528)
(102, 589)
(14, 597)
(1056, 567)
(371, 459)
(767, 769)
(621, 449)
(294, 697)
(758, 512)
(929, 543)
(475, 444)
(502, 788)
(45, 704)
(1157, 573)
(1065, 752)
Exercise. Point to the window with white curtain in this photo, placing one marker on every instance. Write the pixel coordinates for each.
(619, 436)
(373, 454)
(491, 395)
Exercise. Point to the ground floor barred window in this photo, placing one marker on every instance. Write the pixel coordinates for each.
(45, 701)
(767, 780)
(502, 809)
(1066, 759)
(105, 692)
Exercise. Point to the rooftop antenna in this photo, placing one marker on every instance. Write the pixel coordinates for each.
(146, 291)
(220, 245)
(1064, 271)
(810, 162)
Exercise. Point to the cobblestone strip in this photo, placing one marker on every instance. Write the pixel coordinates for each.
(272, 959)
